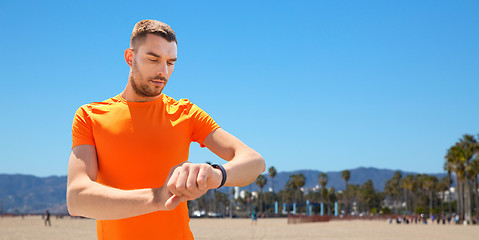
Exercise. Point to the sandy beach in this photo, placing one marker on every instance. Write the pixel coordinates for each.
(32, 227)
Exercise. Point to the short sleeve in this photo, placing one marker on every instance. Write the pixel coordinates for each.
(202, 125)
(82, 133)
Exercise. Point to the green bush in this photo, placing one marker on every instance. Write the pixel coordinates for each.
(421, 210)
(385, 211)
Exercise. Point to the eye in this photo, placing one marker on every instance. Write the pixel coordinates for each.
(171, 63)
(153, 60)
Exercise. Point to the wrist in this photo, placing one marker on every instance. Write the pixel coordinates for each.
(222, 174)
(157, 199)
(218, 178)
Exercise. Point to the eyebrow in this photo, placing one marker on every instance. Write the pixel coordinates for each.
(158, 56)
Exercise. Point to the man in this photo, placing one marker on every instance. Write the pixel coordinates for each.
(128, 165)
(47, 219)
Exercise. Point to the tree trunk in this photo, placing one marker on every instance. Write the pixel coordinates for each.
(459, 196)
(467, 201)
(207, 201)
(410, 198)
(347, 202)
(408, 201)
(449, 202)
(414, 202)
(261, 200)
(442, 203)
(430, 202)
(272, 184)
(214, 201)
(476, 190)
(406, 197)
(232, 205)
(474, 197)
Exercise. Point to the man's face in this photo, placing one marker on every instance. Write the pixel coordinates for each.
(153, 62)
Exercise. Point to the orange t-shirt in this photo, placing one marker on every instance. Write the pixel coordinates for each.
(137, 144)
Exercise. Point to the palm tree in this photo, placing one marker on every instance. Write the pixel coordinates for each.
(392, 188)
(354, 196)
(450, 183)
(422, 192)
(430, 185)
(261, 181)
(296, 182)
(346, 175)
(443, 187)
(272, 174)
(408, 185)
(332, 197)
(323, 181)
(300, 180)
(460, 159)
(452, 164)
(474, 173)
(368, 195)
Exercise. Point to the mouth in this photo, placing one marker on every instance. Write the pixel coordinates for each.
(158, 82)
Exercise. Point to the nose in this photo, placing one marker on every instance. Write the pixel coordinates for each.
(162, 69)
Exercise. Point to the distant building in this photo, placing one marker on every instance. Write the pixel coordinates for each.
(237, 193)
(242, 194)
(449, 196)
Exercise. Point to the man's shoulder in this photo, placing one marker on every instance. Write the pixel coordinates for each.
(181, 103)
(171, 101)
(102, 106)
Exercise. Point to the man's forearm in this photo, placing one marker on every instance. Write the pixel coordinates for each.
(94, 200)
(244, 168)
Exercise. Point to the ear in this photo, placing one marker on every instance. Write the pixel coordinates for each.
(129, 56)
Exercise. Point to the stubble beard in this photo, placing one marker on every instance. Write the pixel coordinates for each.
(144, 89)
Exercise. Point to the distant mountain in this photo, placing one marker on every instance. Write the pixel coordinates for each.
(30, 194)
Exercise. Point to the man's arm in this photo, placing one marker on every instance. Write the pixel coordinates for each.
(87, 198)
(244, 164)
(187, 181)
(243, 167)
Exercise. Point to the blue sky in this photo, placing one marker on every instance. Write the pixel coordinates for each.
(326, 85)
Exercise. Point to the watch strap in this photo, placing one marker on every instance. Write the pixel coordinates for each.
(223, 171)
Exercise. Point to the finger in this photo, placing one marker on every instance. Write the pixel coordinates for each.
(172, 174)
(171, 185)
(173, 201)
(172, 170)
(191, 185)
(202, 177)
(181, 181)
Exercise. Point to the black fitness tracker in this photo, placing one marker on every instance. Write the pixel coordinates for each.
(223, 171)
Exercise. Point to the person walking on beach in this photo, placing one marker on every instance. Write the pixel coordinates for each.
(254, 217)
(129, 166)
(47, 218)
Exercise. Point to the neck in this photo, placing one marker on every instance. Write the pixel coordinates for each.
(131, 96)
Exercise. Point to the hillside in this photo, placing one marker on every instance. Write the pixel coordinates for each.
(27, 193)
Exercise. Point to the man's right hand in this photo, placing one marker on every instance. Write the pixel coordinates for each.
(188, 181)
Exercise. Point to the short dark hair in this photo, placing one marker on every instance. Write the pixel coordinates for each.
(143, 27)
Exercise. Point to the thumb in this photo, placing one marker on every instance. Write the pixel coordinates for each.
(172, 202)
